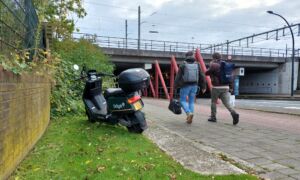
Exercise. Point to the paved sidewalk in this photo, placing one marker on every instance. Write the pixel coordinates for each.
(267, 142)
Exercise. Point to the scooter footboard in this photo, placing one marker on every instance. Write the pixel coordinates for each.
(94, 109)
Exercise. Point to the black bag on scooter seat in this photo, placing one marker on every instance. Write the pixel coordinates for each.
(134, 79)
(175, 106)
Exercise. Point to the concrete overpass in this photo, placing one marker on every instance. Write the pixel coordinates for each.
(134, 56)
(266, 70)
(269, 75)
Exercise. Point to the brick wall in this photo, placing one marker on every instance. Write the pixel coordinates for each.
(24, 116)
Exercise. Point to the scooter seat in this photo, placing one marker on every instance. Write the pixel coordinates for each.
(113, 92)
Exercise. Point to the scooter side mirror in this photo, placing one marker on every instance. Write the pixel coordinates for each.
(76, 67)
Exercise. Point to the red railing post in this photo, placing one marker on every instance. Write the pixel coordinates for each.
(199, 58)
(158, 73)
(152, 89)
(174, 70)
(172, 74)
(156, 82)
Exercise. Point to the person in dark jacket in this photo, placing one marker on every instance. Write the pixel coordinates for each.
(187, 78)
(219, 90)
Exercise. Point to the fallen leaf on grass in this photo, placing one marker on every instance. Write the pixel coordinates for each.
(53, 171)
(100, 150)
(147, 167)
(125, 169)
(36, 169)
(88, 162)
(172, 176)
(100, 168)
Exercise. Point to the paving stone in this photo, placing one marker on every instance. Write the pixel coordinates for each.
(292, 163)
(272, 155)
(254, 150)
(260, 161)
(293, 155)
(296, 176)
(273, 166)
(288, 171)
(275, 176)
(245, 155)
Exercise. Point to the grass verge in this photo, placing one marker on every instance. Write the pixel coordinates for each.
(72, 148)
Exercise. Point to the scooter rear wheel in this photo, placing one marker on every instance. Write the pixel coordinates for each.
(137, 128)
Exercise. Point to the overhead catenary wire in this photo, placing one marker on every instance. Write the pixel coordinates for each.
(255, 35)
(173, 16)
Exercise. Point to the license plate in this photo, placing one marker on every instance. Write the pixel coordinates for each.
(137, 105)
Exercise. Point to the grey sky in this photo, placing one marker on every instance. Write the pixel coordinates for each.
(198, 21)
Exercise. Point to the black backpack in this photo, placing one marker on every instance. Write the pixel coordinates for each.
(226, 72)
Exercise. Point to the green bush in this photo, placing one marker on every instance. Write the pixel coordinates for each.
(67, 92)
(82, 53)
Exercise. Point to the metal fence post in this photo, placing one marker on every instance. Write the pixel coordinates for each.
(260, 51)
(242, 51)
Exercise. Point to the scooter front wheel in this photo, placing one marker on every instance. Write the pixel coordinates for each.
(90, 119)
(139, 123)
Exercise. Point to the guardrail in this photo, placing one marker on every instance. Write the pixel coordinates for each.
(170, 46)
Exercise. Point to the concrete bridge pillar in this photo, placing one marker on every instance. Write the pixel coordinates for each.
(284, 79)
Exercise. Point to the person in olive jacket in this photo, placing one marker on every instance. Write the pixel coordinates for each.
(219, 90)
(187, 79)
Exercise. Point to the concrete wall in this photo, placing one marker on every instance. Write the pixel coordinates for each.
(259, 82)
(276, 81)
(24, 116)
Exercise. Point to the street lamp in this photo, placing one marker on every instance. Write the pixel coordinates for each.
(293, 50)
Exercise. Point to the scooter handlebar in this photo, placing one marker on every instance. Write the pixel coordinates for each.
(82, 77)
(105, 74)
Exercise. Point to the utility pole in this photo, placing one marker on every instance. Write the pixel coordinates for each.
(126, 34)
(227, 48)
(139, 28)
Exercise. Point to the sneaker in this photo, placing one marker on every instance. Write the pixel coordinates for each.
(235, 117)
(212, 119)
(189, 118)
